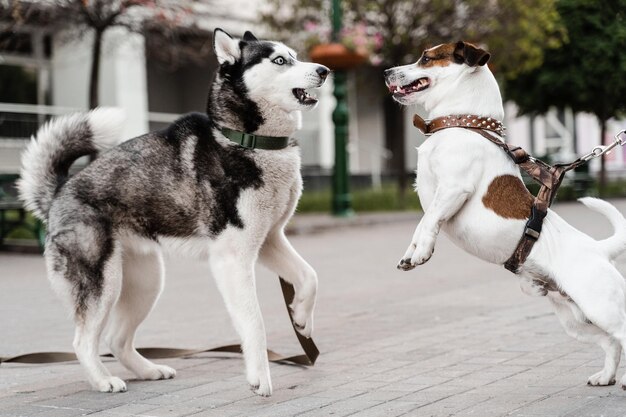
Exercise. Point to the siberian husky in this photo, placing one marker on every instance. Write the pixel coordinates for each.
(187, 187)
(473, 191)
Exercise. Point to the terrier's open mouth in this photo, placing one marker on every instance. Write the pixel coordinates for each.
(304, 97)
(418, 85)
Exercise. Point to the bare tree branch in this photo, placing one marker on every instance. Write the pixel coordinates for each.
(169, 26)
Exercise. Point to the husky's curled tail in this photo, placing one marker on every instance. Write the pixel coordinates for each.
(615, 245)
(50, 153)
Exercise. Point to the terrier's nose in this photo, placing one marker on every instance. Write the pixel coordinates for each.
(322, 71)
(388, 72)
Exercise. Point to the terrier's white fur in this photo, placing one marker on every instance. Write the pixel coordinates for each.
(455, 169)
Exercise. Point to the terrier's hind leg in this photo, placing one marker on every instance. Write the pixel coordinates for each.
(576, 326)
(142, 283)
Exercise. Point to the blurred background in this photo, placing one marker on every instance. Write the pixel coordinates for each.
(561, 65)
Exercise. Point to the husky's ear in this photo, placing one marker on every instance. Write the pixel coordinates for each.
(471, 55)
(249, 37)
(226, 47)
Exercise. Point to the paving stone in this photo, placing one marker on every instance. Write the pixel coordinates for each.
(454, 337)
(388, 409)
(344, 407)
(131, 409)
(613, 406)
(549, 406)
(22, 411)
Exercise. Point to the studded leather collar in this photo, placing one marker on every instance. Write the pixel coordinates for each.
(428, 127)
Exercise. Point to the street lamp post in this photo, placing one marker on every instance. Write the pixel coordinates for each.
(342, 202)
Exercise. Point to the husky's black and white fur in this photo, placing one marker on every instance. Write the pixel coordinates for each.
(186, 187)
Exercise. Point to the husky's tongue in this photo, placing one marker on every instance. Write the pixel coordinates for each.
(303, 96)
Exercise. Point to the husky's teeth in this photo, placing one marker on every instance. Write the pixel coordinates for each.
(304, 96)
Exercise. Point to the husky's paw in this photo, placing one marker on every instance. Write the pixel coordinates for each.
(156, 372)
(263, 390)
(261, 386)
(302, 313)
(110, 384)
(601, 378)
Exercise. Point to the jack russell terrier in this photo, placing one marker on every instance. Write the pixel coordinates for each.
(470, 188)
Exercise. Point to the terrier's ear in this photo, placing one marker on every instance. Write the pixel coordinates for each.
(249, 37)
(226, 47)
(471, 55)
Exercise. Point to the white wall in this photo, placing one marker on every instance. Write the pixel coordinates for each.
(70, 71)
(587, 137)
(180, 91)
(367, 124)
(122, 75)
(123, 78)
(317, 137)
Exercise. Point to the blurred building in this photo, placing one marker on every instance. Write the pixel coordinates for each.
(47, 75)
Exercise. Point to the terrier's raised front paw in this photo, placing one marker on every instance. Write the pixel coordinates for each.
(422, 255)
(415, 255)
(405, 265)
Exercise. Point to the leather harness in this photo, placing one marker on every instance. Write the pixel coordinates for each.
(549, 176)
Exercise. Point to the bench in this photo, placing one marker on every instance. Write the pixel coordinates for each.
(10, 203)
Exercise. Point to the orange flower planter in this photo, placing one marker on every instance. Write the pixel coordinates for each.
(336, 56)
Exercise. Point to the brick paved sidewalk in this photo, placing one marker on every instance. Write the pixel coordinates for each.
(453, 337)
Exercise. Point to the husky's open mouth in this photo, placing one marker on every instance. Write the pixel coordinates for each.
(418, 85)
(304, 97)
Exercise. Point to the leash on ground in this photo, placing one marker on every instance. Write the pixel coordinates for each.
(307, 359)
(548, 176)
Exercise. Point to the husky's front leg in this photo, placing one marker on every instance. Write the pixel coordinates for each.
(234, 275)
(279, 256)
(446, 203)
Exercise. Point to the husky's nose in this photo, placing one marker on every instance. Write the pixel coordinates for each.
(322, 71)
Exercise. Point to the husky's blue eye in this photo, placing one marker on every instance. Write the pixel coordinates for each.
(279, 60)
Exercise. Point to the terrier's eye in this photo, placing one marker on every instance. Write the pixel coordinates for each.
(279, 60)
(425, 59)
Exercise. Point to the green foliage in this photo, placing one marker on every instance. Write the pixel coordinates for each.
(515, 31)
(587, 72)
(365, 200)
(583, 186)
(18, 85)
(386, 199)
(519, 32)
(24, 230)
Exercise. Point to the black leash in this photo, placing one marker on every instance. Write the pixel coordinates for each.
(307, 359)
